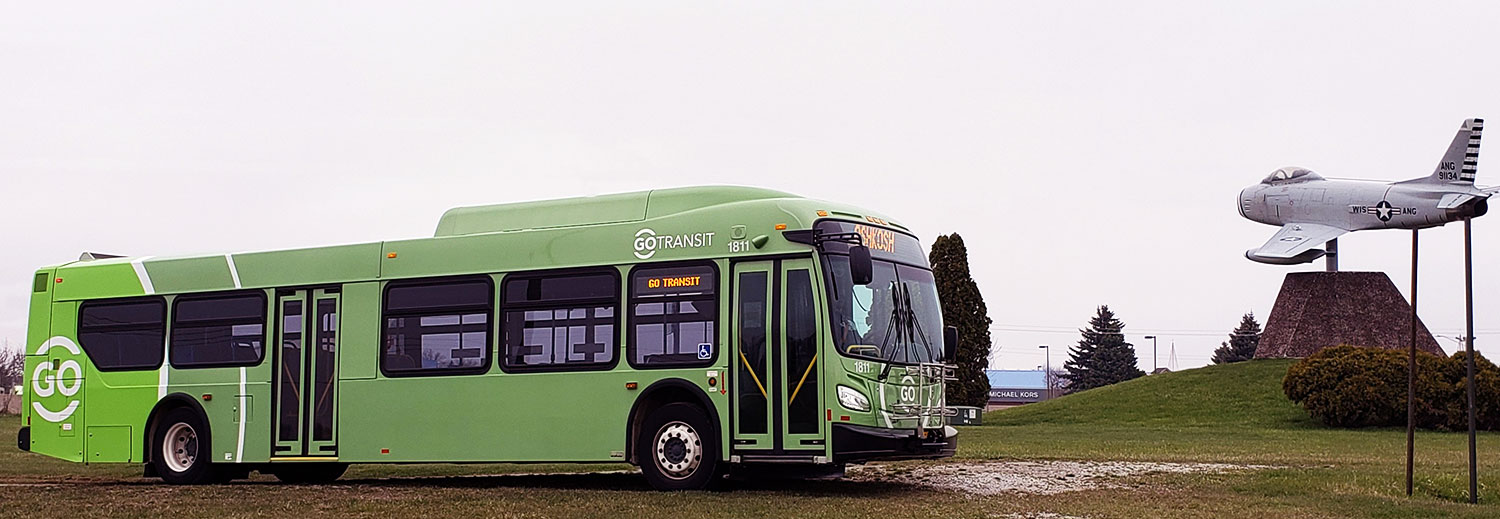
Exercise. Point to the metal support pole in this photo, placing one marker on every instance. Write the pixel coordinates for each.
(1411, 371)
(1049, 373)
(1469, 351)
(1331, 254)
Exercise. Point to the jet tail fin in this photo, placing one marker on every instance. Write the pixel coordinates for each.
(1460, 163)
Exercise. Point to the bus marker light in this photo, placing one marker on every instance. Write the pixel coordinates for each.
(843, 418)
(385, 451)
(390, 255)
(631, 385)
(781, 227)
(822, 213)
(830, 415)
(207, 397)
(59, 280)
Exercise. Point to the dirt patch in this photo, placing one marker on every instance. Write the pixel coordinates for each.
(1028, 477)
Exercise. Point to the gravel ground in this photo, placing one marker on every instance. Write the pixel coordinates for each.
(1027, 477)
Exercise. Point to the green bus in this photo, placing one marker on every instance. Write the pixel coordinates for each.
(693, 332)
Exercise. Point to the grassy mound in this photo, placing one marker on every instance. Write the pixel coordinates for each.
(1245, 393)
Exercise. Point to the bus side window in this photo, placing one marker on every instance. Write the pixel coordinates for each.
(216, 331)
(437, 327)
(673, 316)
(560, 321)
(123, 335)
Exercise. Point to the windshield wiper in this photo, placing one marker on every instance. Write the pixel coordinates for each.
(897, 324)
(916, 326)
(907, 326)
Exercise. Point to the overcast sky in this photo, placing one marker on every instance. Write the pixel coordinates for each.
(1089, 154)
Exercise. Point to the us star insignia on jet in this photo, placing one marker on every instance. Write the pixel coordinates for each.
(1313, 211)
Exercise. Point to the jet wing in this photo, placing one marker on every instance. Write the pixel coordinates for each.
(1295, 243)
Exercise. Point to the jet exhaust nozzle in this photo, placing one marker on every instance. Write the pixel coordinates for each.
(1472, 209)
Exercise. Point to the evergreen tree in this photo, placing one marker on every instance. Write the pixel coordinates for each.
(963, 307)
(1242, 342)
(1102, 357)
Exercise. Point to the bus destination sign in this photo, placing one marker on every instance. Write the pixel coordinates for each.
(876, 238)
(675, 281)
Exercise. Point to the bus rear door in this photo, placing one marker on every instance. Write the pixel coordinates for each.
(306, 379)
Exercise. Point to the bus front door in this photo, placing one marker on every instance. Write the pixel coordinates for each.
(306, 385)
(778, 408)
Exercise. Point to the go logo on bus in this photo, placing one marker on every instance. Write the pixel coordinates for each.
(908, 390)
(49, 379)
(647, 242)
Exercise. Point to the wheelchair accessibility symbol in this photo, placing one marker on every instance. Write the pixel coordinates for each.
(705, 351)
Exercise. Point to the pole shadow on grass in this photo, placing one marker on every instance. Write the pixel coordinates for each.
(609, 481)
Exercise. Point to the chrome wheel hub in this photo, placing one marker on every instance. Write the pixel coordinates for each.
(679, 450)
(180, 448)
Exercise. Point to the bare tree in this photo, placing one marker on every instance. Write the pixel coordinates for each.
(1055, 379)
(1056, 384)
(12, 364)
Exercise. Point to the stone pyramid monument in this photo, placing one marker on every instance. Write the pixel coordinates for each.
(1316, 310)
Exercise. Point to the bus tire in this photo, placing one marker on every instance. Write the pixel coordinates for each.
(180, 449)
(310, 473)
(678, 450)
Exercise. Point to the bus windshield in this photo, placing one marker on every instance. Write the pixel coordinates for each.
(895, 318)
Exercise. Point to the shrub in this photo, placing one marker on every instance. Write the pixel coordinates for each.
(1486, 393)
(1348, 386)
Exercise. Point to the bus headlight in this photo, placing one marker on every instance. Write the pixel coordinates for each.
(852, 399)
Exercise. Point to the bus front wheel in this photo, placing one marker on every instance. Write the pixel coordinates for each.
(677, 449)
(181, 449)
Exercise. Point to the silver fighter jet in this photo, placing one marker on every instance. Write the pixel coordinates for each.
(1313, 211)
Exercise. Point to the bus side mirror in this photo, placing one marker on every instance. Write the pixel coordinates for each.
(861, 269)
(950, 343)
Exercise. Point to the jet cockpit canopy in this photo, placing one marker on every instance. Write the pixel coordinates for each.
(1291, 174)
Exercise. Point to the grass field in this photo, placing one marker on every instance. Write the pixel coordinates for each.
(1226, 414)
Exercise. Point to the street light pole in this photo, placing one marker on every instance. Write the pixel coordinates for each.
(1154, 367)
(1047, 375)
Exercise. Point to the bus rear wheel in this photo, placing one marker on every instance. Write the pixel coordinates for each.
(677, 449)
(180, 449)
(310, 473)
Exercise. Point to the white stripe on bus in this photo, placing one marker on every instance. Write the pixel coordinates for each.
(239, 446)
(234, 273)
(161, 381)
(140, 273)
(139, 264)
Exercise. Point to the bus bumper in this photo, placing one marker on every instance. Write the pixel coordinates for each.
(23, 439)
(855, 443)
